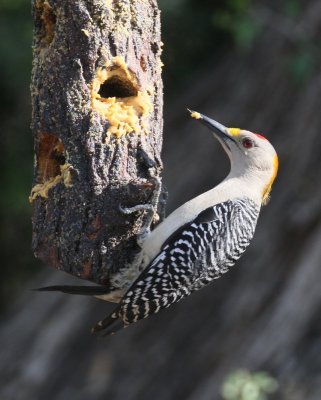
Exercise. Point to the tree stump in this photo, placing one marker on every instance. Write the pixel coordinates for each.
(97, 125)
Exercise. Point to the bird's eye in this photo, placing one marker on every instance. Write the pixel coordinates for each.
(247, 143)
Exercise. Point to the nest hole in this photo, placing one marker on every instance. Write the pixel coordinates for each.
(47, 18)
(119, 87)
(50, 156)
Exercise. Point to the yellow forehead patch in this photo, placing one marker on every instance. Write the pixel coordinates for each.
(234, 131)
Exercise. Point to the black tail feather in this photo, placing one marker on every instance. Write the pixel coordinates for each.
(81, 290)
(110, 324)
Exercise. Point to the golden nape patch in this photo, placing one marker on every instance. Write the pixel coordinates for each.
(116, 96)
(268, 188)
(234, 131)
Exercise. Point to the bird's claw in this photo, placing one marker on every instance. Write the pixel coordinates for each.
(139, 207)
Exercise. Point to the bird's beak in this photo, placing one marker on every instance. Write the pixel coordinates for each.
(220, 131)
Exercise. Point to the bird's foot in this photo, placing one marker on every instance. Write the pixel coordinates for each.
(139, 207)
(150, 209)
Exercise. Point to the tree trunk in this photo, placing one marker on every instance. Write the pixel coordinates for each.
(97, 124)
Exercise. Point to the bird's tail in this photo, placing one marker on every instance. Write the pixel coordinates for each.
(106, 326)
(100, 292)
(110, 324)
(82, 290)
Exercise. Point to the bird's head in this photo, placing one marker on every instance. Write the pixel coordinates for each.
(251, 154)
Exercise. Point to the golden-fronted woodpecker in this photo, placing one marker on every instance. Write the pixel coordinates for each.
(204, 237)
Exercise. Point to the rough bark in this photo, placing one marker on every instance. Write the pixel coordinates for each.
(265, 314)
(97, 124)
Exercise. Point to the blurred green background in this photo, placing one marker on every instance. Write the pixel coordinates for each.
(18, 263)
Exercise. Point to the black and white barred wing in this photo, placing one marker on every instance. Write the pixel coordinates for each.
(192, 257)
(229, 235)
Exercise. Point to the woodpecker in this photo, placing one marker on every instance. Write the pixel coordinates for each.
(204, 237)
